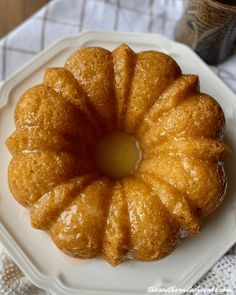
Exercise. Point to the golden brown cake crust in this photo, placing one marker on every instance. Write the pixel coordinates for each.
(179, 181)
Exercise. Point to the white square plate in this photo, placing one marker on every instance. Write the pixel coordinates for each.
(33, 250)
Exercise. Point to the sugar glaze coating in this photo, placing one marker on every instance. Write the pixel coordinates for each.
(179, 181)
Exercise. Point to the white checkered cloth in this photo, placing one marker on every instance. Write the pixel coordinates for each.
(65, 17)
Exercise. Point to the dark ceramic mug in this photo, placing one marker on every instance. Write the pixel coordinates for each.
(209, 28)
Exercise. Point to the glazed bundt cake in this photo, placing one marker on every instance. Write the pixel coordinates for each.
(178, 178)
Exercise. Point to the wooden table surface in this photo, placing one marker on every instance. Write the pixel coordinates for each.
(14, 12)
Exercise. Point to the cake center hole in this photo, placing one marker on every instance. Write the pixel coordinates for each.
(118, 154)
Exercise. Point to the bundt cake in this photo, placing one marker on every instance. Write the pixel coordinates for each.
(178, 178)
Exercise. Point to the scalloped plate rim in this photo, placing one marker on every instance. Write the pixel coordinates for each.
(53, 283)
